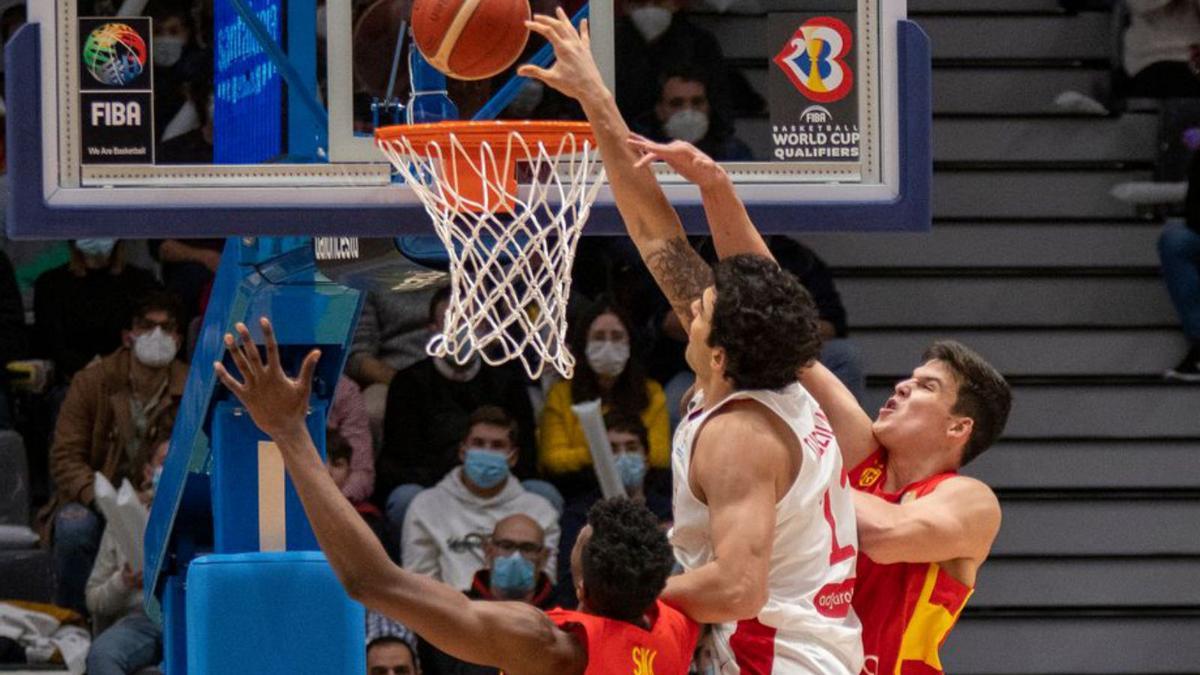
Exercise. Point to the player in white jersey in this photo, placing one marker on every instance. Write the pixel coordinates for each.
(764, 522)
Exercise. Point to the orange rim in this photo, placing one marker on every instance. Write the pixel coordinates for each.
(475, 134)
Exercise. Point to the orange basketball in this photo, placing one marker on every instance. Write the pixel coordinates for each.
(470, 39)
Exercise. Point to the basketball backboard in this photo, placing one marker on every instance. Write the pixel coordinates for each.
(819, 108)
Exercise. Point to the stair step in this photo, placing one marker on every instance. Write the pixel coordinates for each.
(1099, 464)
(995, 245)
(1159, 410)
(1087, 582)
(1019, 194)
(1042, 352)
(978, 302)
(1129, 137)
(1100, 645)
(1101, 527)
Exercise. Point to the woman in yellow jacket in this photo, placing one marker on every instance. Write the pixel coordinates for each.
(600, 339)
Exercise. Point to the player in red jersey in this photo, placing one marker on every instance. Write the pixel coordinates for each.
(923, 529)
(620, 561)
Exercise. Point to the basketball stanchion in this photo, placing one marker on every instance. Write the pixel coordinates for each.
(510, 248)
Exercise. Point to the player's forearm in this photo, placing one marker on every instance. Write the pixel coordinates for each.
(732, 231)
(714, 593)
(643, 206)
(851, 424)
(353, 551)
(889, 533)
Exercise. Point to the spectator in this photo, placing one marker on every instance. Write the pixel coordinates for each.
(188, 266)
(513, 570)
(180, 65)
(391, 647)
(391, 336)
(348, 418)
(445, 526)
(627, 435)
(126, 639)
(655, 35)
(428, 407)
(115, 412)
(1157, 46)
(81, 308)
(1179, 250)
(12, 332)
(683, 113)
(600, 338)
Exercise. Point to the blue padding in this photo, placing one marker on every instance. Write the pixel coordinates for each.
(271, 613)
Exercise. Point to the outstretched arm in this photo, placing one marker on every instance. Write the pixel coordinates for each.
(731, 227)
(851, 424)
(510, 636)
(652, 222)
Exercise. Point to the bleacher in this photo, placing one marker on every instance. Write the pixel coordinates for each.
(1097, 567)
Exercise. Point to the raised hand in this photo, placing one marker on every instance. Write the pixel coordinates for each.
(277, 403)
(574, 72)
(686, 159)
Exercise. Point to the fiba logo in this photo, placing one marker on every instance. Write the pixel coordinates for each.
(815, 114)
(115, 54)
(814, 59)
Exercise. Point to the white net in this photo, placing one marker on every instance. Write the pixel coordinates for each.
(510, 250)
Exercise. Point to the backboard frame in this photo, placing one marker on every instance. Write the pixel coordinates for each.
(358, 199)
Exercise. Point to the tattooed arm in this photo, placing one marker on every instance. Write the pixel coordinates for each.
(652, 222)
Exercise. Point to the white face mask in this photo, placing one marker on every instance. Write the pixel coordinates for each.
(651, 21)
(155, 349)
(167, 50)
(607, 358)
(688, 125)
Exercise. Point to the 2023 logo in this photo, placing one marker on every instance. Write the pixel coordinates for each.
(814, 59)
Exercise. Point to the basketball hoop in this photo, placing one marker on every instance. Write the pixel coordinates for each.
(510, 249)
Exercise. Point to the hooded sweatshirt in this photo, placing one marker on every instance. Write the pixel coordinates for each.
(446, 526)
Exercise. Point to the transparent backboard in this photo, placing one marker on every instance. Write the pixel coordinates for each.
(248, 117)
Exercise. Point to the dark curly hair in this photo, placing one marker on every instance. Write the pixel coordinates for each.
(627, 560)
(983, 394)
(765, 320)
(628, 393)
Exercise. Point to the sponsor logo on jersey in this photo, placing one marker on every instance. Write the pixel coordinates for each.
(869, 476)
(833, 600)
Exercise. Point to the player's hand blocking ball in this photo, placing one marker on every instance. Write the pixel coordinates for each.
(470, 39)
(574, 72)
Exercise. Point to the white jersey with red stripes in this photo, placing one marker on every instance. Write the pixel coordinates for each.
(807, 625)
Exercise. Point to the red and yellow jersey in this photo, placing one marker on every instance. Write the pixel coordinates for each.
(906, 609)
(621, 648)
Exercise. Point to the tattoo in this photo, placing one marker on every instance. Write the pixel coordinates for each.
(681, 274)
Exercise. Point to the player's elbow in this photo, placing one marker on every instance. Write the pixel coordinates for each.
(746, 598)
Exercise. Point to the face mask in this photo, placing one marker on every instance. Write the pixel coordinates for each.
(167, 50)
(687, 125)
(607, 358)
(486, 468)
(651, 21)
(155, 349)
(96, 248)
(632, 467)
(512, 577)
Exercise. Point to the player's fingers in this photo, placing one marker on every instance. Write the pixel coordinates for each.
(307, 369)
(585, 33)
(535, 72)
(249, 347)
(564, 23)
(228, 380)
(239, 359)
(541, 27)
(645, 160)
(272, 343)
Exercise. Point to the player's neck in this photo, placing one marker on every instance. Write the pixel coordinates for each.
(904, 469)
(715, 389)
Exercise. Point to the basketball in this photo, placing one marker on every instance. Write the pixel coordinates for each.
(470, 39)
